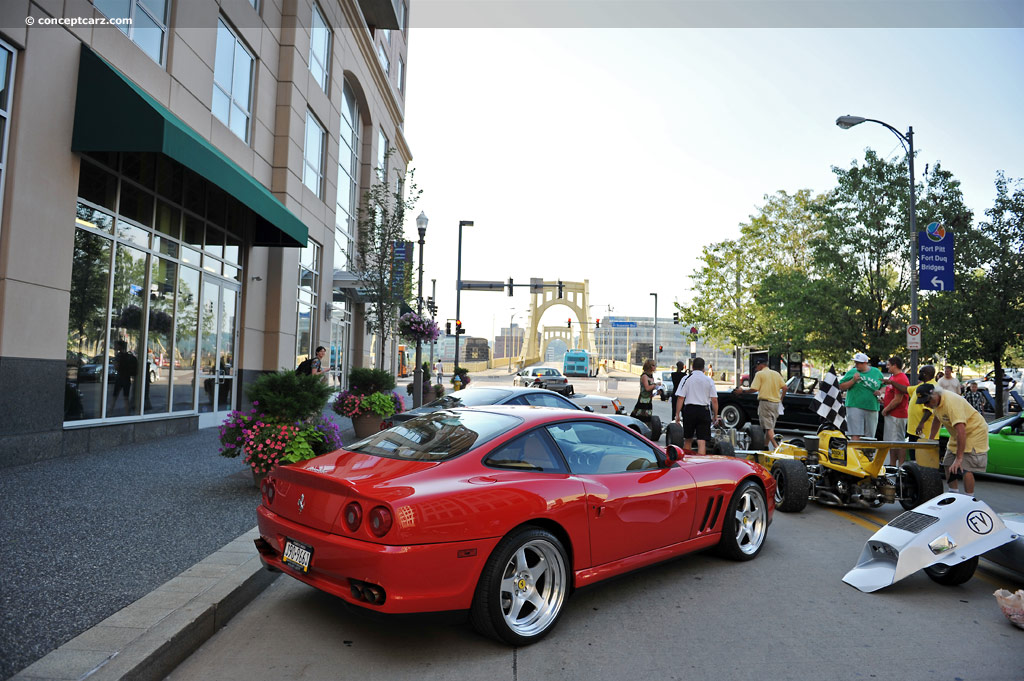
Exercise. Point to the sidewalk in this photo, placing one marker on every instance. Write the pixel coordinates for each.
(118, 564)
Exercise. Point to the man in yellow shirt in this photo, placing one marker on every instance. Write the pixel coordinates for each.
(770, 387)
(967, 451)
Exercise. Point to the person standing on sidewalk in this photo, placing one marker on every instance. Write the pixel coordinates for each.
(861, 383)
(697, 401)
(967, 451)
(770, 388)
(949, 382)
(894, 410)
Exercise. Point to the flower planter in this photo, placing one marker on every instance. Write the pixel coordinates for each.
(366, 424)
(429, 395)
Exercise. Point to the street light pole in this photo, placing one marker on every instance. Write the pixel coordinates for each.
(847, 122)
(654, 340)
(458, 294)
(417, 381)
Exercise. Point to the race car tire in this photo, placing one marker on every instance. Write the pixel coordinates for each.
(746, 523)
(674, 434)
(951, 575)
(757, 437)
(723, 448)
(919, 484)
(791, 485)
(655, 425)
(732, 416)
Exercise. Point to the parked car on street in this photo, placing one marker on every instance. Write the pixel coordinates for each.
(798, 406)
(93, 371)
(601, 404)
(667, 387)
(543, 377)
(502, 512)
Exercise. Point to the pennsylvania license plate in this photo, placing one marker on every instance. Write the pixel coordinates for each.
(297, 554)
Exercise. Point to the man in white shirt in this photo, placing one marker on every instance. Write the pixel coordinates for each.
(697, 406)
(949, 382)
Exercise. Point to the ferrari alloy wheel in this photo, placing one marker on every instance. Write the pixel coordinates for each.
(523, 587)
(951, 575)
(746, 523)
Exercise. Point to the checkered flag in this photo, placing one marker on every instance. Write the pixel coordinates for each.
(830, 402)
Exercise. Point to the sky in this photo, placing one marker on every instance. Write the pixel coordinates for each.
(616, 155)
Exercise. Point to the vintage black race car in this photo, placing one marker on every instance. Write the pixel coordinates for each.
(737, 409)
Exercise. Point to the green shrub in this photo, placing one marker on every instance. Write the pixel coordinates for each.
(287, 397)
(364, 381)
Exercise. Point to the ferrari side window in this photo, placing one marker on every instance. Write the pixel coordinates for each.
(596, 448)
(547, 400)
(531, 452)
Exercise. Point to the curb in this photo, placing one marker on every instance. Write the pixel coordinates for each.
(153, 635)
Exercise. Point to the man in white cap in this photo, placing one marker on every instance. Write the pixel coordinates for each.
(862, 384)
(967, 451)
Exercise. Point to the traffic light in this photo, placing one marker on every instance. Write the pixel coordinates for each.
(693, 330)
(510, 287)
(675, 317)
(447, 328)
(458, 327)
(569, 323)
(598, 325)
(661, 348)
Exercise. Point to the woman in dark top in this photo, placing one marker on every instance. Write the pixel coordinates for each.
(644, 403)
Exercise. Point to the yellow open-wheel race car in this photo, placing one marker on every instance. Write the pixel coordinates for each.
(833, 470)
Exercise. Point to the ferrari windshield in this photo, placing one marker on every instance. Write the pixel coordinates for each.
(437, 436)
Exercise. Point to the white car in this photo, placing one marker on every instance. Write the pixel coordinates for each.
(601, 404)
(543, 377)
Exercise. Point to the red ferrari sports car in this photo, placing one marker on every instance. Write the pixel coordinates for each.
(502, 511)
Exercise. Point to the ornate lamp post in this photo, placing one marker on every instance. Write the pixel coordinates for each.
(417, 381)
(847, 122)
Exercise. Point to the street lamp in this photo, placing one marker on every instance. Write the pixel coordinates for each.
(458, 293)
(847, 122)
(417, 381)
(654, 340)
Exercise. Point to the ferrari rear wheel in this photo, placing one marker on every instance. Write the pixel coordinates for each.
(746, 523)
(951, 575)
(523, 588)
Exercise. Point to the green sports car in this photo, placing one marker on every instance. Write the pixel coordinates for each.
(1005, 445)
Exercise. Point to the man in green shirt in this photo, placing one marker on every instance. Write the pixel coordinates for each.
(862, 383)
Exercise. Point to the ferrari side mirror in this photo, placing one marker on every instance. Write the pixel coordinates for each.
(674, 453)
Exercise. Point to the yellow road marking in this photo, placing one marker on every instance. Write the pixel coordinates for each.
(983, 573)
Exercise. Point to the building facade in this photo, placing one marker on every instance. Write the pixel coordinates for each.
(179, 190)
(618, 337)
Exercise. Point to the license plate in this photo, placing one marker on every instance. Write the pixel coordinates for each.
(297, 554)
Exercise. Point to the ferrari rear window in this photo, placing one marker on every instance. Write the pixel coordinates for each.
(438, 436)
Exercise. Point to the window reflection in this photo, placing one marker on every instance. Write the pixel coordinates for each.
(87, 325)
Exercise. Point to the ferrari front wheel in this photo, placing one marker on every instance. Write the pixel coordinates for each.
(523, 588)
(746, 523)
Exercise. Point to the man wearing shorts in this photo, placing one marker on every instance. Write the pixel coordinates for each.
(967, 451)
(770, 387)
(697, 400)
(894, 410)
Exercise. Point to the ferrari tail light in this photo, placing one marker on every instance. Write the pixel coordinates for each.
(380, 521)
(353, 516)
(268, 489)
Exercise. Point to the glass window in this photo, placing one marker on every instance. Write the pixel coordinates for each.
(232, 82)
(531, 452)
(185, 334)
(548, 399)
(143, 21)
(313, 156)
(159, 345)
(437, 436)
(319, 48)
(97, 185)
(348, 174)
(307, 299)
(400, 76)
(594, 448)
(382, 54)
(87, 363)
(382, 156)
(403, 15)
(124, 397)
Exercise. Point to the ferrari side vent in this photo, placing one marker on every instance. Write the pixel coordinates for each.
(711, 513)
(913, 522)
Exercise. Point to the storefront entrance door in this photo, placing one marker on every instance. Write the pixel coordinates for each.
(217, 332)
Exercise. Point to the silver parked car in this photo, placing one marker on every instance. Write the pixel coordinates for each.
(544, 377)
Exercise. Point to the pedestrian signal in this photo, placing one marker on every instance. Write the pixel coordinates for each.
(675, 317)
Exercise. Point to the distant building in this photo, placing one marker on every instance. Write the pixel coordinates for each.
(510, 342)
(618, 343)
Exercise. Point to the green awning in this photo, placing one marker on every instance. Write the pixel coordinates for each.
(114, 114)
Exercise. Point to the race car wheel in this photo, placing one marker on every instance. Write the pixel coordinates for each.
(746, 523)
(757, 437)
(674, 434)
(655, 425)
(724, 448)
(523, 588)
(919, 484)
(732, 416)
(791, 485)
(951, 575)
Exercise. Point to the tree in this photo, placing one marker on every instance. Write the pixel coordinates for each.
(983, 318)
(381, 223)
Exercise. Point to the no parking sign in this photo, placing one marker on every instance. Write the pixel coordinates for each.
(914, 337)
